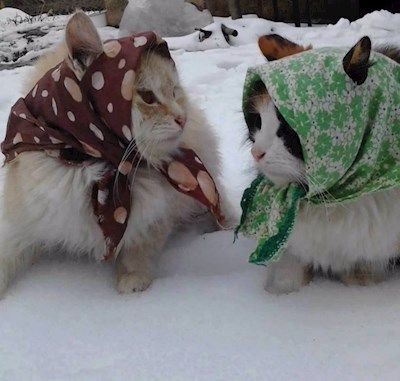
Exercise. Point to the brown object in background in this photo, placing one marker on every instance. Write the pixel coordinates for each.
(322, 11)
(199, 4)
(234, 9)
(55, 7)
(115, 9)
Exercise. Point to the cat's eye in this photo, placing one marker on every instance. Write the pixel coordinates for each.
(147, 96)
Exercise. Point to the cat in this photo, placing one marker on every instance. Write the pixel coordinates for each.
(355, 242)
(47, 206)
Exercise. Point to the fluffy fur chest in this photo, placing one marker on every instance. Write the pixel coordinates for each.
(339, 236)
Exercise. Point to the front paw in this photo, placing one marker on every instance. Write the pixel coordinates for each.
(287, 275)
(278, 286)
(133, 282)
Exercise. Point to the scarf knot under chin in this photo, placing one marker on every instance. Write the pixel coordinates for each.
(82, 121)
(349, 133)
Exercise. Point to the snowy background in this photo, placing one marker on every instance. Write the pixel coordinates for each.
(206, 317)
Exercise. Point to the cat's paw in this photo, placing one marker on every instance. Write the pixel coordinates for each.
(278, 285)
(133, 282)
(286, 275)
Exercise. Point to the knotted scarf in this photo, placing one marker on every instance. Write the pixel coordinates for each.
(81, 121)
(349, 133)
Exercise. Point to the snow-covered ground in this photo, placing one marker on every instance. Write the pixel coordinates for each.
(207, 316)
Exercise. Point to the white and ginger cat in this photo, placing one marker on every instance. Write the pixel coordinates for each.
(355, 242)
(47, 205)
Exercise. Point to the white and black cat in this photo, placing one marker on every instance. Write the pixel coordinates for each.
(356, 242)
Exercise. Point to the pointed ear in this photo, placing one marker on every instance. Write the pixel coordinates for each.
(275, 47)
(83, 42)
(356, 62)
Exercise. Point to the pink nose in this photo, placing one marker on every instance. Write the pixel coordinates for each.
(257, 153)
(181, 121)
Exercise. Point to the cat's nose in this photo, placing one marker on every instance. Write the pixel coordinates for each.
(257, 153)
(180, 121)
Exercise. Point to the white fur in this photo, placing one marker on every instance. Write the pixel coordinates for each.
(47, 205)
(285, 275)
(278, 164)
(333, 238)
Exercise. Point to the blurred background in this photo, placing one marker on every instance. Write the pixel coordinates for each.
(319, 11)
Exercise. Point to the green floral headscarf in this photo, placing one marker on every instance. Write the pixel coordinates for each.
(349, 133)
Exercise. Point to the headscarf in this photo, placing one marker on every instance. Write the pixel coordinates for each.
(81, 121)
(349, 133)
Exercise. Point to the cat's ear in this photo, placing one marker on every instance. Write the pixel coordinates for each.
(275, 47)
(356, 62)
(83, 42)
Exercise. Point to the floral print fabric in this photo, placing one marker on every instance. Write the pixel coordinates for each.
(350, 136)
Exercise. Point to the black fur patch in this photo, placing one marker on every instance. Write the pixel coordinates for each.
(290, 138)
(254, 119)
(254, 124)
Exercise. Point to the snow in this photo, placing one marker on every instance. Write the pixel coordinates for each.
(206, 317)
(167, 18)
(383, 26)
(9, 13)
(24, 38)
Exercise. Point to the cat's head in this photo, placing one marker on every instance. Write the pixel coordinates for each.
(275, 145)
(158, 101)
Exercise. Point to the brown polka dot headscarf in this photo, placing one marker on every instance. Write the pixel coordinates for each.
(88, 120)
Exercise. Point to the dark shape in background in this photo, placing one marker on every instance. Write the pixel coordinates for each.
(321, 11)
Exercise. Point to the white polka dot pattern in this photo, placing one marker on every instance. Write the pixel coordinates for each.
(120, 215)
(96, 131)
(139, 41)
(207, 186)
(98, 80)
(122, 63)
(56, 74)
(73, 88)
(17, 138)
(71, 116)
(127, 132)
(182, 176)
(34, 91)
(112, 48)
(54, 106)
(54, 140)
(90, 150)
(127, 85)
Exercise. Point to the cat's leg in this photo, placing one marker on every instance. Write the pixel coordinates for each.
(15, 255)
(364, 274)
(287, 274)
(135, 262)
